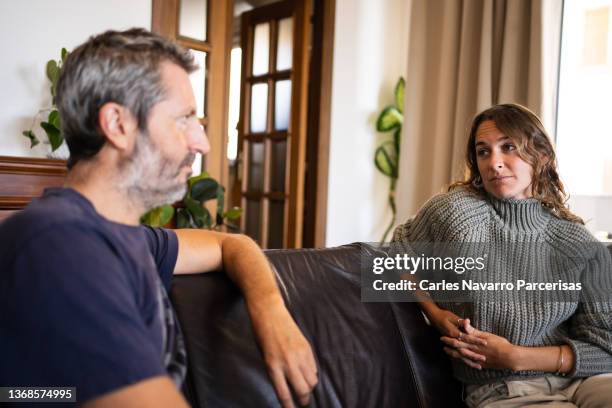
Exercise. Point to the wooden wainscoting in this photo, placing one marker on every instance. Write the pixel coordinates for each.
(25, 178)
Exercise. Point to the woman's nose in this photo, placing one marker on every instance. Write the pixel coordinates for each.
(496, 161)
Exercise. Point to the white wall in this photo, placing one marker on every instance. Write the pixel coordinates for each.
(595, 211)
(33, 32)
(370, 52)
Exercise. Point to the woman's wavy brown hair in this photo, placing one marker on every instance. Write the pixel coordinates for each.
(533, 146)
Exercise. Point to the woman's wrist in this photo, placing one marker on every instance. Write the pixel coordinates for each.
(545, 359)
(431, 310)
(519, 358)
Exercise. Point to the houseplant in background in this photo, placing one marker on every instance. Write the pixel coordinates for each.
(52, 125)
(190, 212)
(386, 156)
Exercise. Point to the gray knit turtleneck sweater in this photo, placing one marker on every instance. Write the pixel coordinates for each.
(463, 216)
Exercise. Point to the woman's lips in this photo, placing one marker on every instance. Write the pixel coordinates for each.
(499, 179)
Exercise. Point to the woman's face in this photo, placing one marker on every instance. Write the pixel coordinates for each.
(504, 174)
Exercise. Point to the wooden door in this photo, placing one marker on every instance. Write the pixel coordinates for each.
(272, 126)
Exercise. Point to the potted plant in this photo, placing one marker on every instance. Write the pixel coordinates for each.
(386, 156)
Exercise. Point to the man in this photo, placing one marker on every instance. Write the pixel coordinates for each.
(83, 287)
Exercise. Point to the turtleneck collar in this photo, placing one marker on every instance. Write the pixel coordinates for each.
(526, 214)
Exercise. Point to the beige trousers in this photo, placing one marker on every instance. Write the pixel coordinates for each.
(548, 391)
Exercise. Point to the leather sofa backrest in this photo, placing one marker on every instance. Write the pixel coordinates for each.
(368, 354)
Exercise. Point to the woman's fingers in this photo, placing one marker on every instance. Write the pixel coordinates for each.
(455, 354)
(473, 339)
(463, 348)
(464, 341)
(466, 352)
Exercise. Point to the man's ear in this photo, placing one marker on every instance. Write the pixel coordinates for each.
(118, 125)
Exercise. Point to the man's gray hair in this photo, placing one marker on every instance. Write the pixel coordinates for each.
(115, 66)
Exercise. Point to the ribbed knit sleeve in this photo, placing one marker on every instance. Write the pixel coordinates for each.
(590, 335)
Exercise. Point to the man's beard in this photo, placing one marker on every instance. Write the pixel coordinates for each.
(150, 179)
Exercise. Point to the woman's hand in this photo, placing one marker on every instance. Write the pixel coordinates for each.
(451, 325)
(496, 352)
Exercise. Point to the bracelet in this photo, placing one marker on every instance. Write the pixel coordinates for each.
(560, 362)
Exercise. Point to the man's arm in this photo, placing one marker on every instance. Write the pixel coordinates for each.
(286, 351)
(151, 393)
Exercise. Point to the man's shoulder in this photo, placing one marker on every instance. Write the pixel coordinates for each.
(49, 217)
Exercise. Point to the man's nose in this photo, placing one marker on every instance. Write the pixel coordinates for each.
(198, 141)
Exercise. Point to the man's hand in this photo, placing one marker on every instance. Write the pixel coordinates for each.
(286, 352)
(480, 349)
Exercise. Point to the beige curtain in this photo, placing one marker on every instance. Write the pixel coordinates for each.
(463, 56)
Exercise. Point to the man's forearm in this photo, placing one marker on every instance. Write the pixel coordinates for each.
(247, 266)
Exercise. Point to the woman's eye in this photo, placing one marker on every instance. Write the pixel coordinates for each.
(509, 147)
(481, 152)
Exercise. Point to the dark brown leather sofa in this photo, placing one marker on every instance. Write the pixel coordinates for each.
(368, 354)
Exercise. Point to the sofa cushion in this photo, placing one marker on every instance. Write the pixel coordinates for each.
(368, 354)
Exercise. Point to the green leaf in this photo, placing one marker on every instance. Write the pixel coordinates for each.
(30, 135)
(385, 160)
(64, 54)
(204, 189)
(220, 204)
(397, 140)
(390, 118)
(233, 214)
(192, 180)
(206, 220)
(196, 211)
(52, 70)
(182, 218)
(54, 135)
(54, 119)
(53, 73)
(399, 94)
(158, 217)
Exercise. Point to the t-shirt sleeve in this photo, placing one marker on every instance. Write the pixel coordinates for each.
(72, 317)
(163, 244)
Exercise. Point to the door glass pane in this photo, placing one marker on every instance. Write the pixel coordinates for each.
(261, 49)
(282, 105)
(198, 81)
(256, 166)
(259, 107)
(276, 222)
(192, 19)
(253, 219)
(279, 159)
(284, 51)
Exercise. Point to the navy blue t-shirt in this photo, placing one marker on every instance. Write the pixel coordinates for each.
(81, 299)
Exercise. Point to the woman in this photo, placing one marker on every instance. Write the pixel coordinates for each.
(517, 353)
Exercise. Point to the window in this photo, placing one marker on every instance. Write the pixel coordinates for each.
(584, 124)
